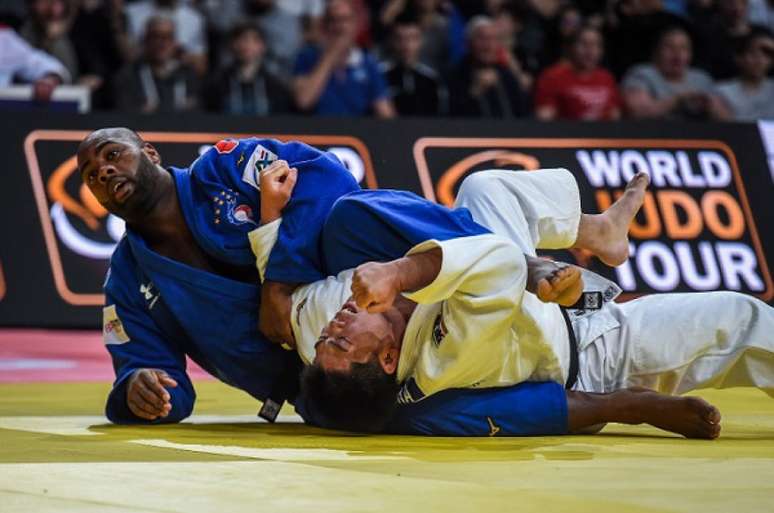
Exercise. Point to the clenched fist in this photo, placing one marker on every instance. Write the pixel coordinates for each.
(277, 183)
(375, 286)
(146, 396)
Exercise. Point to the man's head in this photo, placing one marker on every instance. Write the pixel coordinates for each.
(120, 170)
(483, 40)
(247, 44)
(733, 12)
(159, 44)
(586, 49)
(352, 381)
(673, 52)
(47, 11)
(340, 19)
(754, 56)
(407, 40)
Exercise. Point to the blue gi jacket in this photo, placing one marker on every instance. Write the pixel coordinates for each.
(159, 310)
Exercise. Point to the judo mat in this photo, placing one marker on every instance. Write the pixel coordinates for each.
(59, 454)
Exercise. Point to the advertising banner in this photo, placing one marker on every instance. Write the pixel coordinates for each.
(695, 232)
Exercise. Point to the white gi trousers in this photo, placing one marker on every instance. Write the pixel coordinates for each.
(672, 343)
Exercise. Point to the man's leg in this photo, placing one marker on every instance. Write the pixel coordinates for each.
(674, 343)
(692, 417)
(542, 210)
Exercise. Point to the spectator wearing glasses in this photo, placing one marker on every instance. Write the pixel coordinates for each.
(483, 85)
(159, 81)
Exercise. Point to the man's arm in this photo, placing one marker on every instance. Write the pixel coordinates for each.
(151, 383)
(486, 272)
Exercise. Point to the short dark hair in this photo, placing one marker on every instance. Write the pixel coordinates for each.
(243, 28)
(746, 43)
(361, 400)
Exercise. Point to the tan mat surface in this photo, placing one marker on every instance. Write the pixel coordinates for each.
(58, 454)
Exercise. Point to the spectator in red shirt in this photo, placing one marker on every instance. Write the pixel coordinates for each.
(578, 87)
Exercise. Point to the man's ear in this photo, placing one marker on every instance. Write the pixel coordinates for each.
(152, 153)
(388, 358)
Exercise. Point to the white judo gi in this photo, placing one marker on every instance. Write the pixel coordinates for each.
(477, 326)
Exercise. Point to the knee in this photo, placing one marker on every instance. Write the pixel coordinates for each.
(477, 186)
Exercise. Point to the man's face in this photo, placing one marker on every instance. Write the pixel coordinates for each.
(340, 19)
(674, 54)
(756, 61)
(248, 47)
(408, 41)
(484, 44)
(48, 10)
(117, 172)
(352, 336)
(160, 45)
(587, 50)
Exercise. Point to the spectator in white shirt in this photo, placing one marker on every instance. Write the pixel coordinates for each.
(20, 62)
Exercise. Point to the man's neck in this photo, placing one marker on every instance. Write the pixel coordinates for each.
(751, 82)
(164, 218)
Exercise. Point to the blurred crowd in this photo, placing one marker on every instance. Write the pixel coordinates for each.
(545, 59)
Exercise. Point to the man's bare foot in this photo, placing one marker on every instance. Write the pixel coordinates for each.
(606, 234)
(552, 283)
(692, 417)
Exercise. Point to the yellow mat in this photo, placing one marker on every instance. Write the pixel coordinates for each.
(58, 454)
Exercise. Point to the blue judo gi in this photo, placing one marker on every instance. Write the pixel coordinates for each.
(159, 310)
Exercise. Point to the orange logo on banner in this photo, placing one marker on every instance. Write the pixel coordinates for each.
(2, 282)
(684, 208)
(97, 220)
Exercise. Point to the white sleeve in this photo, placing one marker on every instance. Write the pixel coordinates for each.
(30, 63)
(476, 270)
(262, 241)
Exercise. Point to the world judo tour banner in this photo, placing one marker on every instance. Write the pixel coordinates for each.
(704, 226)
(695, 232)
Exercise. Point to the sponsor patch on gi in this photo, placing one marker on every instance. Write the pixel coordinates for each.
(258, 161)
(439, 330)
(112, 328)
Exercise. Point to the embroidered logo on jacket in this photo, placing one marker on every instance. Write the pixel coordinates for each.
(258, 161)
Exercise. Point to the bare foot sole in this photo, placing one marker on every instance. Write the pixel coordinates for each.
(552, 283)
(692, 417)
(611, 240)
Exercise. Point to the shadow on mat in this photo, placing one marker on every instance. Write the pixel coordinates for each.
(296, 436)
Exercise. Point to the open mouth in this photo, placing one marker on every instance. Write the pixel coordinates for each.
(120, 190)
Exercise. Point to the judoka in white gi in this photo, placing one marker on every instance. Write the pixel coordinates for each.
(469, 315)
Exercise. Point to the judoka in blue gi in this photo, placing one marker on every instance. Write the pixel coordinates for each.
(183, 282)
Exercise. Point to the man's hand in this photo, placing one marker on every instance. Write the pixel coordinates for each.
(146, 396)
(277, 183)
(274, 317)
(375, 286)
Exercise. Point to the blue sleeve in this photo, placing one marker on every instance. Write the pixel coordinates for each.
(381, 225)
(527, 409)
(322, 179)
(306, 60)
(135, 342)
